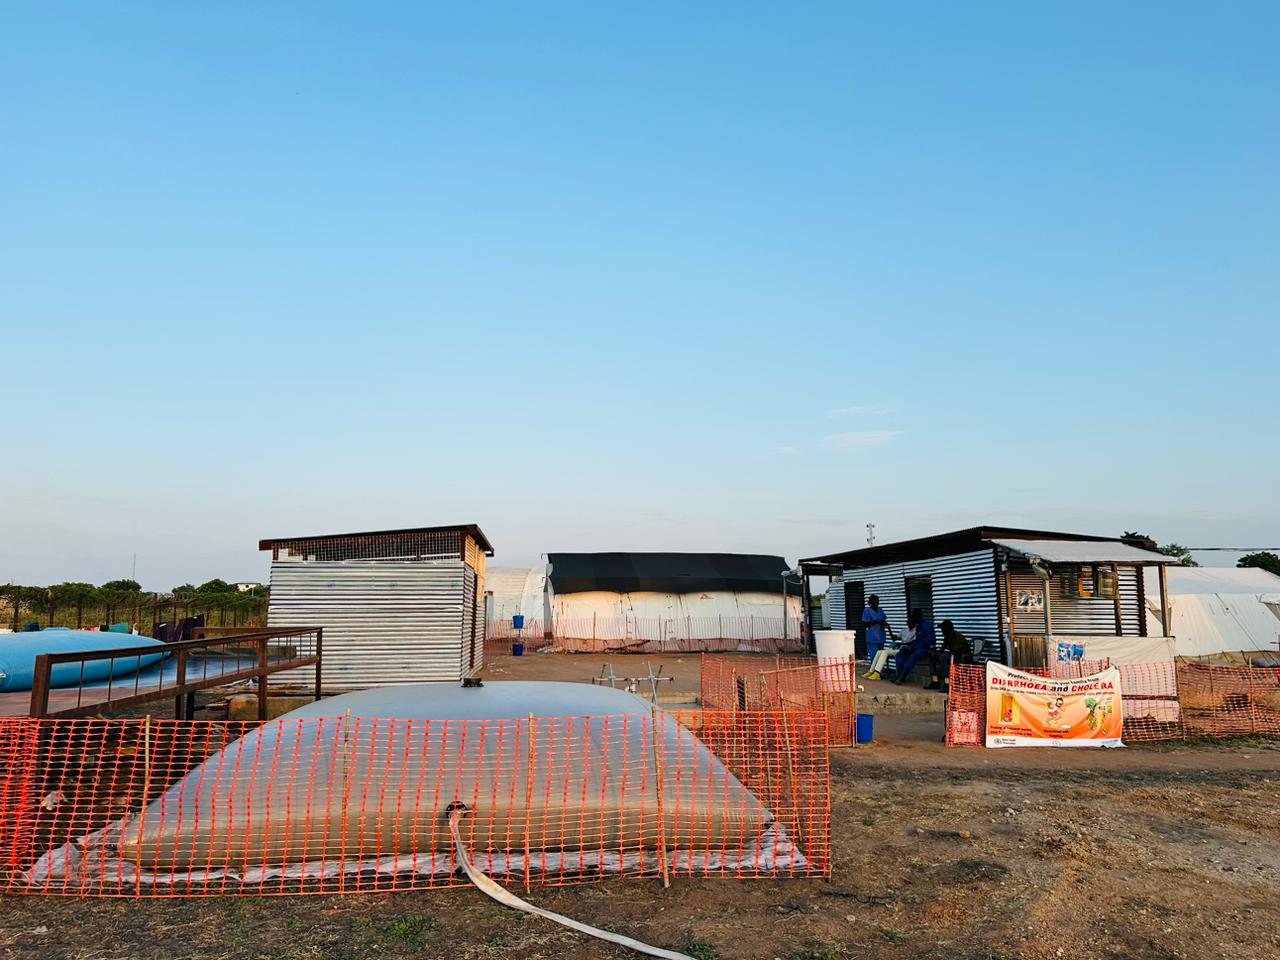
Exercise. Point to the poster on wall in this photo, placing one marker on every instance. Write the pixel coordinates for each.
(1024, 710)
(1029, 601)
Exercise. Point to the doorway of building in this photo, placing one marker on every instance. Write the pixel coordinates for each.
(920, 595)
(854, 602)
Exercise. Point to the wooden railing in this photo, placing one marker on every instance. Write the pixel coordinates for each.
(216, 657)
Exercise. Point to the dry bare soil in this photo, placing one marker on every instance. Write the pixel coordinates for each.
(1151, 852)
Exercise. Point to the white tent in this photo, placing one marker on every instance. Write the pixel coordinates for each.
(1219, 610)
(515, 590)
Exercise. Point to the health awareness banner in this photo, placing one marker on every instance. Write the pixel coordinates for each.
(1024, 710)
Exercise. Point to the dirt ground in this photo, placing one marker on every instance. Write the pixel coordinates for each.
(963, 854)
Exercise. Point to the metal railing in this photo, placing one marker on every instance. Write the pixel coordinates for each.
(186, 668)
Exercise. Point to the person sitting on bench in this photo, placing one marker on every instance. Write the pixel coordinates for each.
(955, 649)
(920, 647)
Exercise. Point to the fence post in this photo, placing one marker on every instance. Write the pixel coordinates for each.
(40, 682)
(262, 677)
(528, 799)
(146, 788)
(319, 657)
(346, 788)
(662, 823)
(181, 682)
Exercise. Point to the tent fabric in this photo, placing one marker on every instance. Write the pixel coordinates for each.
(1221, 580)
(516, 590)
(1211, 623)
(668, 573)
(1083, 551)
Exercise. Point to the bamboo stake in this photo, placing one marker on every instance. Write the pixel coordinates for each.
(146, 789)
(528, 800)
(346, 792)
(662, 823)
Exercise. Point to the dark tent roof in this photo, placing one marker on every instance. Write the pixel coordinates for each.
(668, 572)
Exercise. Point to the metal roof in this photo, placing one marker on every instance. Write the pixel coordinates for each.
(469, 528)
(947, 544)
(1082, 551)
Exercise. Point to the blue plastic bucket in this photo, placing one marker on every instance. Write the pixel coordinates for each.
(864, 730)
(517, 621)
(517, 649)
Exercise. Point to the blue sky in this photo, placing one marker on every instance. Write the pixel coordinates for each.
(659, 276)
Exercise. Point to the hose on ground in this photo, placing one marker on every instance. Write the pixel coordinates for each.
(508, 899)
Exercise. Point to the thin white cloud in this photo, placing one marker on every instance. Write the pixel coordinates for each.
(860, 438)
(786, 451)
(864, 410)
(818, 521)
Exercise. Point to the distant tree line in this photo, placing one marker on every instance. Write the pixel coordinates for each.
(78, 604)
(1262, 559)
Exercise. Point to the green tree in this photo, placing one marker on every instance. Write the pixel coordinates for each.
(215, 587)
(184, 592)
(121, 587)
(73, 592)
(1179, 551)
(1144, 542)
(1263, 560)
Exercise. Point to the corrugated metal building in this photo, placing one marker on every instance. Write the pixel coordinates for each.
(397, 606)
(1064, 587)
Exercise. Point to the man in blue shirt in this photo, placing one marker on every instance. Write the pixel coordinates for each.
(877, 625)
(919, 648)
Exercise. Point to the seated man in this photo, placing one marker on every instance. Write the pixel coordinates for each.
(955, 649)
(921, 646)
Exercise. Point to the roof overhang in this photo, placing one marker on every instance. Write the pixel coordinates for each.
(471, 529)
(940, 545)
(1082, 551)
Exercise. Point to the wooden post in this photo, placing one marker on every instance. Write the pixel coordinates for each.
(146, 787)
(783, 721)
(1008, 606)
(181, 681)
(262, 677)
(319, 658)
(528, 799)
(1115, 597)
(1166, 621)
(40, 687)
(662, 824)
(346, 792)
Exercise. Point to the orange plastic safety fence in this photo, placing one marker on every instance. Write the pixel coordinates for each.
(1161, 701)
(753, 682)
(165, 808)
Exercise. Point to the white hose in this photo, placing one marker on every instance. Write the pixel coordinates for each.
(508, 899)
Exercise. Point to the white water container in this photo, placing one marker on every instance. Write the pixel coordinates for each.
(835, 645)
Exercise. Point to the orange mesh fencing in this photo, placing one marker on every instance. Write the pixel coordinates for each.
(753, 682)
(171, 808)
(1162, 701)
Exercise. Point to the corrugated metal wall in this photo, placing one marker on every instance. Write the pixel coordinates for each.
(1083, 616)
(964, 592)
(384, 622)
(835, 604)
(473, 625)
